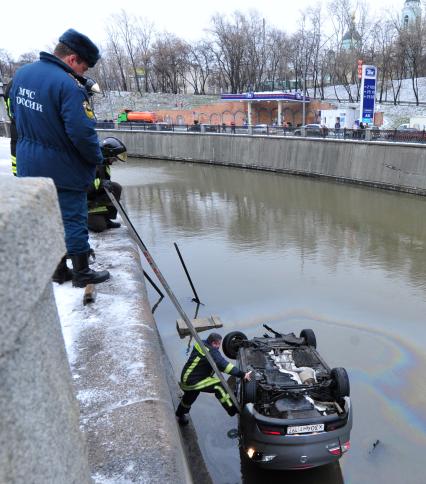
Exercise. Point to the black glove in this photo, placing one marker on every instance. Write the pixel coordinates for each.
(107, 185)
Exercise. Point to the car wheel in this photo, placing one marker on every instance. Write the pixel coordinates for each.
(232, 342)
(249, 392)
(309, 336)
(341, 386)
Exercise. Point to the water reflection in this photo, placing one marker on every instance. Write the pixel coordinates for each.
(370, 227)
(329, 474)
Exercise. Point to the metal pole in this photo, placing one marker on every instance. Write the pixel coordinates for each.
(171, 295)
(153, 284)
(196, 298)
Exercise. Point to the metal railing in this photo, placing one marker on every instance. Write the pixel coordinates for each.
(369, 134)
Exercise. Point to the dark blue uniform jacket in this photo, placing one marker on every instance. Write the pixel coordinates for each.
(56, 126)
(197, 368)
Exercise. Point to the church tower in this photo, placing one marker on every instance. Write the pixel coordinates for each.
(352, 39)
(411, 12)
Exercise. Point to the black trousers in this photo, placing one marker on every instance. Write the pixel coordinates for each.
(220, 393)
(98, 198)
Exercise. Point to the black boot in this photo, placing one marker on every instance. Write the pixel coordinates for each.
(112, 225)
(96, 223)
(82, 274)
(183, 420)
(182, 415)
(62, 273)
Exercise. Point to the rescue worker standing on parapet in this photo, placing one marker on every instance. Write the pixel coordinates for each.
(57, 139)
(197, 376)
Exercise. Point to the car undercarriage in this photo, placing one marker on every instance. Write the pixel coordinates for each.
(296, 411)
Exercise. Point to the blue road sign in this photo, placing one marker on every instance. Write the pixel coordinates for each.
(368, 94)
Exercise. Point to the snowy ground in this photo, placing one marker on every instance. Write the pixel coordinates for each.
(109, 105)
(393, 115)
(72, 313)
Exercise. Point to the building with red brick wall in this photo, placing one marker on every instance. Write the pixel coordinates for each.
(263, 112)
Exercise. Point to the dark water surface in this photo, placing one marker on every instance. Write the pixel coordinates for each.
(346, 261)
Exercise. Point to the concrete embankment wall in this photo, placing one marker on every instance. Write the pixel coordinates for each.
(40, 439)
(393, 166)
(129, 431)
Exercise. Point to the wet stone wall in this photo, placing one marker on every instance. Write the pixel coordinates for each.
(393, 166)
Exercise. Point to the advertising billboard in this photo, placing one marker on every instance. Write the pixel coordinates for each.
(368, 94)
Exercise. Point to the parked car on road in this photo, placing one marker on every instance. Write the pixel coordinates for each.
(260, 129)
(211, 128)
(375, 132)
(296, 411)
(312, 130)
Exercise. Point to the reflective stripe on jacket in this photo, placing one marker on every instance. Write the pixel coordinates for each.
(13, 158)
(198, 373)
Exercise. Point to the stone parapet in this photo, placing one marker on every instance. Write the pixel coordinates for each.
(40, 439)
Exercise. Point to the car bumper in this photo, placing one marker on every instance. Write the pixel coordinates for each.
(291, 451)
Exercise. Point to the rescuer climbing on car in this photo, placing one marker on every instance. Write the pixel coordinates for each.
(197, 376)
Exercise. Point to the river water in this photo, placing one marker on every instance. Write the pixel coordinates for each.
(348, 262)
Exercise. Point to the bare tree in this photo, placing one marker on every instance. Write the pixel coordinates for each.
(7, 68)
(200, 60)
(277, 61)
(116, 56)
(169, 57)
(229, 41)
(144, 32)
(125, 28)
(28, 57)
(411, 42)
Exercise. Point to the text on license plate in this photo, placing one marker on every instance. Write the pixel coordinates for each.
(305, 429)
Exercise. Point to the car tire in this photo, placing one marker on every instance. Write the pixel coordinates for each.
(309, 336)
(232, 342)
(341, 385)
(249, 391)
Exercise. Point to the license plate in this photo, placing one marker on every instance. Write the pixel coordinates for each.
(305, 429)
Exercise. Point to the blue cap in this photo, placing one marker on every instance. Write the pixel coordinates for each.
(81, 45)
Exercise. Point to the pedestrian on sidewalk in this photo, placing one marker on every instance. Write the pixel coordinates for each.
(57, 139)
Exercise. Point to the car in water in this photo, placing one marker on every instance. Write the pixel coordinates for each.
(296, 411)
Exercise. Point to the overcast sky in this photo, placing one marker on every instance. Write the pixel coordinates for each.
(37, 24)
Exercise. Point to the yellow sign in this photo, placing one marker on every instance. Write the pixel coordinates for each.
(88, 110)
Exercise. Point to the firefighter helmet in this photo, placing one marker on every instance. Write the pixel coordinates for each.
(113, 148)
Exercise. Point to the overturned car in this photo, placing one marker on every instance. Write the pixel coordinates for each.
(296, 411)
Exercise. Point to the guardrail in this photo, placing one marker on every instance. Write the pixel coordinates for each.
(370, 134)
